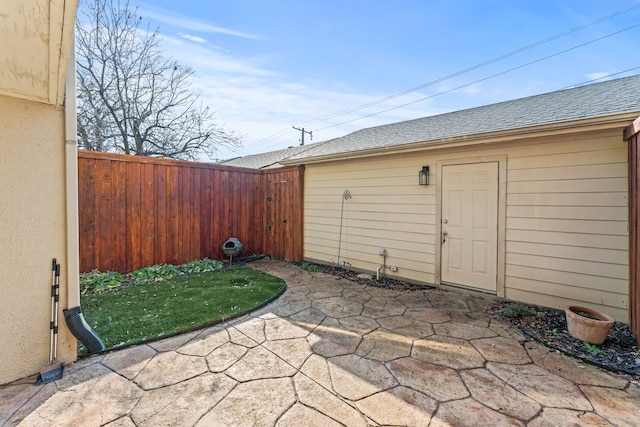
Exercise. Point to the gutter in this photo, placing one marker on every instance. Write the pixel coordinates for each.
(71, 172)
(557, 128)
(73, 313)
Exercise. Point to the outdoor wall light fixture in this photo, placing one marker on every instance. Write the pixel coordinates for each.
(423, 176)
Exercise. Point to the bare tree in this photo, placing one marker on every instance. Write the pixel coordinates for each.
(132, 99)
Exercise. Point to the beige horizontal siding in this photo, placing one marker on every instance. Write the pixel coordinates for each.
(567, 252)
(569, 265)
(333, 224)
(616, 228)
(388, 209)
(566, 217)
(585, 185)
(572, 172)
(382, 208)
(605, 241)
(609, 199)
(591, 296)
(569, 212)
(586, 281)
(539, 297)
(574, 157)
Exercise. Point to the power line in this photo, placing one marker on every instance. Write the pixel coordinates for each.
(477, 66)
(276, 135)
(602, 77)
(480, 80)
(271, 138)
(282, 132)
(567, 87)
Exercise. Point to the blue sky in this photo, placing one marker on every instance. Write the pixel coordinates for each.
(264, 66)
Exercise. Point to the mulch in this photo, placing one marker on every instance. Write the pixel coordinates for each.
(619, 353)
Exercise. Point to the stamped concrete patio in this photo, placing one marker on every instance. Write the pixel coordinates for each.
(331, 352)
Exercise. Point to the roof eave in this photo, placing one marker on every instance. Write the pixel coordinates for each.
(595, 123)
(40, 36)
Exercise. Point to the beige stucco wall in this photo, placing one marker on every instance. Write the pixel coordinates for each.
(32, 232)
(35, 49)
(563, 236)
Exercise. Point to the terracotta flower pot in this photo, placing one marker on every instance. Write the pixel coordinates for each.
(592, 328)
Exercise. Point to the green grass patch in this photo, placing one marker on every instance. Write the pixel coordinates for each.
(140, 312)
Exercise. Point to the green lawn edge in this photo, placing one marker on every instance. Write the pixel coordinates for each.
(225, 318)
(196, 328)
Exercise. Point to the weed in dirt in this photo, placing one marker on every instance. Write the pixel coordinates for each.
(311, 268)
(515, 310)
(593, 349)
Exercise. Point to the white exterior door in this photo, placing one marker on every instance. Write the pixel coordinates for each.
(470, 225)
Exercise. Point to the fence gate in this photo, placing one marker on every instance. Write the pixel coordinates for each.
(283, 213)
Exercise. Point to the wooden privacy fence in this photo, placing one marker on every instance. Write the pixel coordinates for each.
(632, 135)
(139, 211)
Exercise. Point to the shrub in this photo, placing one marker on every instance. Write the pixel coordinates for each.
(155, 273)
(204, 265)
(96, 281)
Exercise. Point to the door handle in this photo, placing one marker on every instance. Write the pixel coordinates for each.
(444, 236)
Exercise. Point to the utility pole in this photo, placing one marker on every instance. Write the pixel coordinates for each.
(310, 132)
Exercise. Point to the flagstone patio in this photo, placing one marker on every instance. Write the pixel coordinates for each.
(332, 352)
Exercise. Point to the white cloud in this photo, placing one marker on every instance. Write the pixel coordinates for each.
(253, 97)
(596, 76)
(207, 59)
(262, 107)
(192, 38)
(190, 23)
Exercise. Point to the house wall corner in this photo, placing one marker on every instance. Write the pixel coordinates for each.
(33, 230)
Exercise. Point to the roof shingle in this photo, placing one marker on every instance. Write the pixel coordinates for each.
(583, 102)
(266, 160)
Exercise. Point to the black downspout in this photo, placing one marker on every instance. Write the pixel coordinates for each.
(82, 331)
